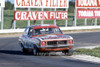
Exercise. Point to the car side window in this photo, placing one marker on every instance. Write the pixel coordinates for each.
(30, 32)
(26, 31)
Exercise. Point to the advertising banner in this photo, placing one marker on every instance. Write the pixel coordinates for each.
(0, 14)
(41, 3)
(88, 13)
(2, 3)
(40, 15)
(88, 3)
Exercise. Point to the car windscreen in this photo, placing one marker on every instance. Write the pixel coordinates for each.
(42, 31)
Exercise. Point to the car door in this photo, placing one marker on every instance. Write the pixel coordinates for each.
(29, 37)
(25, 37)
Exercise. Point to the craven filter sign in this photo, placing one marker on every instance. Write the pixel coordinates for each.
(42, 15)
(2, 3)
(88, 3)
(88, 13)
(41, 3)
(0, 13)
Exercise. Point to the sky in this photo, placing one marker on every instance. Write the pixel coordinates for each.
(12, 1)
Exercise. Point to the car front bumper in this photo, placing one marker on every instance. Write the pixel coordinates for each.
(56, 48)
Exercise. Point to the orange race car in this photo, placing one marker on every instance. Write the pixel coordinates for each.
(45, 38)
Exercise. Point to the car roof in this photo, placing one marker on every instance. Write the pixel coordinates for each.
(43, 26)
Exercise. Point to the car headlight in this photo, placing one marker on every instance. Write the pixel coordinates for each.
(70, 41)
(43, 43)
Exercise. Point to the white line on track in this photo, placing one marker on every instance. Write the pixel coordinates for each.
(85, 58)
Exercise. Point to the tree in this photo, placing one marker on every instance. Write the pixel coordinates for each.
(71, 6)
(9, 5)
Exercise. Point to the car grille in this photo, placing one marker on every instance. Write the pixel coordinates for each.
(56, 42)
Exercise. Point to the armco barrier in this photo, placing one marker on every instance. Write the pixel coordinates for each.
(62, 28)
(80, 28)
(11, 31)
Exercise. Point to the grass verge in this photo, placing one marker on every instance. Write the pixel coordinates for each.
(93, 52)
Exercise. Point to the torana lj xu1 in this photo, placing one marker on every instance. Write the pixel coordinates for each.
(45, 39)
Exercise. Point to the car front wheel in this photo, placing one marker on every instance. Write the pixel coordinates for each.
(35, 51)
(69, 52)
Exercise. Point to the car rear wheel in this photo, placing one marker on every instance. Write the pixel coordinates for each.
(23, 50)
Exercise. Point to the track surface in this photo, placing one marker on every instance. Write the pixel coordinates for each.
(10, 55)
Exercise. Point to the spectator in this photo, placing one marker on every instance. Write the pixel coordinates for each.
(34, 22)
(73, 21)
(12, 24)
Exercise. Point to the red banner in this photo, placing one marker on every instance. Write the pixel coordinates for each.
(88, 3)
(88, 13)
(41, 3)
(42, 15)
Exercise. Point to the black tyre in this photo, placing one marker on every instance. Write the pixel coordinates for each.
(35, 51)
(69, 52)
(23, 50)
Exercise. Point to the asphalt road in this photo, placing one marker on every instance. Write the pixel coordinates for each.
(86, 39)
(10, 55)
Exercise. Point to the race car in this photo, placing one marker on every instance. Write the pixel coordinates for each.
(45, 38)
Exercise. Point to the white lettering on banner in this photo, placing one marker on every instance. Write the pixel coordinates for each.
(46, 15)
(34, 15)
(85, 13)
(43, 15)
(17, 15)
(23, 15)
(41, 3)
(97, 13)
(87, 2)
(30, 15)
(99, 2)
(88, 13)
(2, 3)
(40, 15)
(57, 15)
(0, 14)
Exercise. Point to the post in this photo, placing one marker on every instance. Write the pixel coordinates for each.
(42, 20)
(95, 22)
(1, 18)
(55, 20)
(66, 23)
(14, 20)
(75, 14)
(28, 20)
(85, 21)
